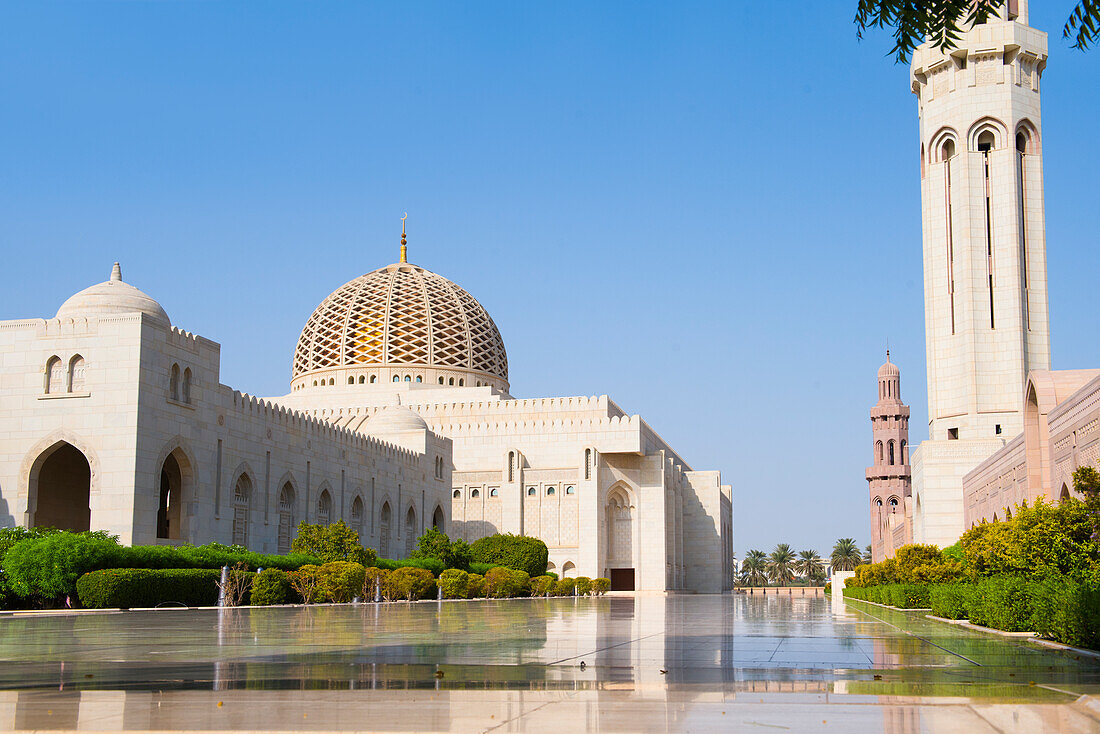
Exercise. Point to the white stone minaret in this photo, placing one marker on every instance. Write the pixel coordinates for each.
(985, 293)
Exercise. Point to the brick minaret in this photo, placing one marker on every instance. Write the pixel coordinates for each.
(889, 477)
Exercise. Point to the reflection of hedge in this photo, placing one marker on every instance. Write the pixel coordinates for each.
(1062, 608)
(126, 588)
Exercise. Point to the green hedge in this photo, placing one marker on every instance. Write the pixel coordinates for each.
(518, 552)
(126, 588)
(431, 564)
(409, 584)
(454, 582)
(1062, 608)
(48, 567)
(501, 583)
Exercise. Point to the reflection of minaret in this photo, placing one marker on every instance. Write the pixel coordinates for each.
(985, 284)
(888, 478)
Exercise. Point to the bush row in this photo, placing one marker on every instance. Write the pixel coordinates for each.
(1062, 608)
(139, 587)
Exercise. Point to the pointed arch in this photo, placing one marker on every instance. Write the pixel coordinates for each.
(287, 502)
(619, 516)
(410, 529)
(242, 489)
(55, 375)
(175, 472)
(324, 506)
(996, 130)
(385, 520)
(30, 470)
(439, 519)
(174, 382)
(357, 506)
(77, 370)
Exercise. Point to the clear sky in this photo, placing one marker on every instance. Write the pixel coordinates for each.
(707, 210)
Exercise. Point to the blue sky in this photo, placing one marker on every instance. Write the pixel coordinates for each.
(708, 210)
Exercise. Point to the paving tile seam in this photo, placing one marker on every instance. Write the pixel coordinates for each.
(601, 649)
(919, 637)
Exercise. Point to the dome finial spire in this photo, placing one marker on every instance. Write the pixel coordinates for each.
(116, 272)
(404, 247)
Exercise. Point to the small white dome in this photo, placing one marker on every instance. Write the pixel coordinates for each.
(394, 419)
(112, 297)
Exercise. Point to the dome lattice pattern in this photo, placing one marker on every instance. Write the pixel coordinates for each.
(401, 315)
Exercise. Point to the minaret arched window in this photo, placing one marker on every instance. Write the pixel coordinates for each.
(76, 374)
(174, 382)
(187, 385)
(904, 452)
(878, 452)
(890, 451)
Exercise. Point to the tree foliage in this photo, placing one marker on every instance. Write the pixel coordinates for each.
(942, 21)
(754, 570)
(781, 565)
(810, 566)
(335, 542)
(435, 544)
(846, 555)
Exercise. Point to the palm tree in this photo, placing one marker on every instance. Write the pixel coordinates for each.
(867, 554)
(781, 564)
(846, 555)
(809, 564)
(754, 568)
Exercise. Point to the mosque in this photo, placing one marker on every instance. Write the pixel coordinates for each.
(399, 418)
(1003, 427)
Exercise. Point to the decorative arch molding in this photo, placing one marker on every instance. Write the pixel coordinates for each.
(987, 124)
(285, 479)
(34, 459)
(178, 444)
(937, 141)
(245, 469)
(623, 489)
(1028, 128)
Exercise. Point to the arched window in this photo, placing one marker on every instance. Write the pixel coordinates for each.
(947, 150)
(384, 531)
(419, 378)
(410, 532)
(570, 489)
(878, 451)
(315, 383)
(438, 519)
(187, 386)
(174, 382)
(457, 494)
(357, 516)
(324, 508)
(451, 381)
(986, 141)
(494, 492)
(476, 493)
(461, 382)
(531, 491)
(904, 453)
(511, 466)
(373, 379)
(286, 518)
(332, 380)
(440, 379)
(1021, 142)
(569, 566)
(242, 499)
(550, 491)
(408, 378)
(890, 451)
(351, 380)
(893, 504)
(588, 463)
(878, 502)
(76, 374)
(362, 379)
(396, 378)
(620, 528)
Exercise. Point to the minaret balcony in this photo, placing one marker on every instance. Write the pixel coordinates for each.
(889, 471)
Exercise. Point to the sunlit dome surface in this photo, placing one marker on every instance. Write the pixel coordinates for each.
(400, 323)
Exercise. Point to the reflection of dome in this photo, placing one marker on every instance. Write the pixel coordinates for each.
(112, 297)
(400, 323)
(394, 418)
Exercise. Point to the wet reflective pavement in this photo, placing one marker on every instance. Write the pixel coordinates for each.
(682, 663)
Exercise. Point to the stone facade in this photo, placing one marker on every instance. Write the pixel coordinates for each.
(398, 419)
(888, 478)
(986, 322)
(1061, 433)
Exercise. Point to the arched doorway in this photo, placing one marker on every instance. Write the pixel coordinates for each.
(410, 532)
(384, 531)
(619, 516)
(438, 519)
(62, 492)
(169, 513)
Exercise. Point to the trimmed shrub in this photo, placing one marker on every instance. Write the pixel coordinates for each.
(435, 544)
(565, 587)
(374, 579)
(518, 552)
(340, 581)
(271, 586)
(1001, 603)
(475, 586)
(454, 583)
(583, 585)
(409, 583)
(601, 586)
(431, 564)
(306, 581)
(951, 601)
(329, 543)
(126, 588)
(541, 585)
(501, 583)
(1067, 610)
(903, 596)
(481, 568)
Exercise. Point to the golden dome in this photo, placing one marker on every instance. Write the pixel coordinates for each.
(400, 323)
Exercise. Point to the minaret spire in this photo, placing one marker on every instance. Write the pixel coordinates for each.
(404, 246)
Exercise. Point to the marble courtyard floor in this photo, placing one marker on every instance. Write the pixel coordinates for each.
(680, 663)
